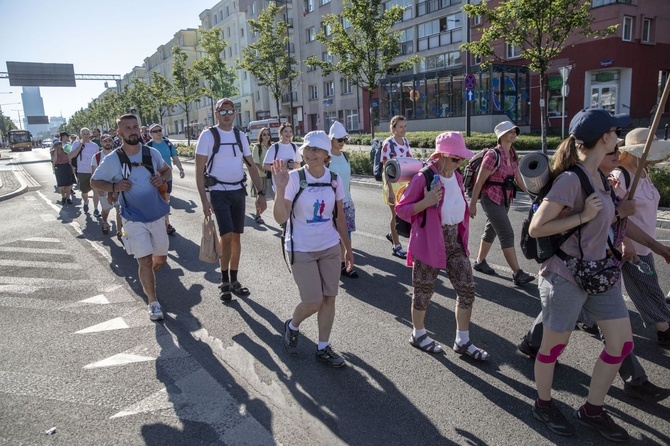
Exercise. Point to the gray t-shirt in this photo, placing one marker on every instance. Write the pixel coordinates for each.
(568, 191)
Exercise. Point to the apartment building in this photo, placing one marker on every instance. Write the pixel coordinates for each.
(175, 120)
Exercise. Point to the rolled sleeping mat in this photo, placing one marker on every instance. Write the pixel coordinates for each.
(402, 169)
(535, 171)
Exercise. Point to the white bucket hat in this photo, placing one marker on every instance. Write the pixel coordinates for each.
(317, 139)
(504, 127)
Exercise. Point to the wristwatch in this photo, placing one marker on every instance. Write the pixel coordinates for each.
(261, 192)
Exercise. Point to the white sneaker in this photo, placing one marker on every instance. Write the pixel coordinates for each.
(155, 311)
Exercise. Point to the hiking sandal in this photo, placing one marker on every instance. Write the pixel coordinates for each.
(224, 292)
(237, 288)
(432, 347)
(105, 227)
(479, 354)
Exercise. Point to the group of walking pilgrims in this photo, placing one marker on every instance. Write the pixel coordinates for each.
(310, 184)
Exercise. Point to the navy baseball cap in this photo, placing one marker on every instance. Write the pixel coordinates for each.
(592, 123)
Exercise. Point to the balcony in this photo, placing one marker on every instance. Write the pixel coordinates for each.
(442, 39)
(406, 48)
(286, 98)
(429, 6)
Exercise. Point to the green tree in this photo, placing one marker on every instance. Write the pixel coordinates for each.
(139, 96)
(539, 27)
(220, 78)
(185, 85)
(160, 93)
(365, 51)
(268, 58)
(6, 124)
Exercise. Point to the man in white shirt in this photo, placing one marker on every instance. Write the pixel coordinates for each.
(220, 172)
(83, 151)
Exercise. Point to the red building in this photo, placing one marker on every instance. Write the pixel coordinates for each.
(624, 73)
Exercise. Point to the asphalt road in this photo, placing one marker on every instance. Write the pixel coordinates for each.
(79, 353)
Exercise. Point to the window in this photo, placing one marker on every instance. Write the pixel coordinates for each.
(328, 89)
(477, 20)
(313, 92)
(327, 29)
(407, 41)
(241, 32)
(346, 86)
(351, 119)
(228, 31)
(310, 34)
(258, 95)
(345, 23)
(326, 57)
(512, 51)
(627, 30)
(253, 9)
(324, 2)
(309, 5)
(329, 118)
(476, 60)
(406, 4)
(646, 30)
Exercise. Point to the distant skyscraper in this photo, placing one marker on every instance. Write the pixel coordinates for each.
(33, 106)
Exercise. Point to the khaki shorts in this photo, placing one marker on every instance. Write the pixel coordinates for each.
(84, 180)
(317, 273)
(389, 190)
(144, 239)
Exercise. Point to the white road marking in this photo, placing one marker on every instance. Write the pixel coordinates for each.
(43, 239)
(34, 250)
(99, 299)
(112, 324)
(39, 264)
(120, 359)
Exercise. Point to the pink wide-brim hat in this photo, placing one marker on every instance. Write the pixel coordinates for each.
(451, 143)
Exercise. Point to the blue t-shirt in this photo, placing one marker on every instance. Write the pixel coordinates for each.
(166, 151)
(142, 203)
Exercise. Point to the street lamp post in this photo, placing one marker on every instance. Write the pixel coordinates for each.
(565, 89)
(20, 121)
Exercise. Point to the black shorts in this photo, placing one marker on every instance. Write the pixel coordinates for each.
(229, 208)
(169, 185)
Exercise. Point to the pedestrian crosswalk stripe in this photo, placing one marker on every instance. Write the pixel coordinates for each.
(99, 299)
(120, 359)
(19, 289)
(34, 250)
(43, 239)
(112, 324)
(44, 282)
(39, 264)
(48, 217)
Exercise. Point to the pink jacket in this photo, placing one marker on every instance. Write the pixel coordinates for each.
(427, 243)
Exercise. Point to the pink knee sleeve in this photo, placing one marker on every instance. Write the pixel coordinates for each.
(625, 351)
(553, 355)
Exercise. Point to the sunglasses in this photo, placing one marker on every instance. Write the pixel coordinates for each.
(456, 160)
(226, 112)
(613, 152)
(157, 131)
(617, 131)
(342, 140)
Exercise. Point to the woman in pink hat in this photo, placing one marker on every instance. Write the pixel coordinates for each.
(438, 240)
(495, 184)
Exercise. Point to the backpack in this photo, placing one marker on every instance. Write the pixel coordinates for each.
(542, 248)
(167, 141)
(471, 171)
(346, 158)
(377, 167)
(74, 160)
(127, 166)
(276, 147)
(303, 185)
(211, 180)
(404, 227)
(626, 176)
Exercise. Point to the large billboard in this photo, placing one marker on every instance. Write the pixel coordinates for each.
(37, 120)
(33, 74)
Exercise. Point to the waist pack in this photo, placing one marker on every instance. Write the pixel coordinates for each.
(593, 276)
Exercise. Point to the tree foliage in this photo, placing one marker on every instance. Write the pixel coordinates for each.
(186, 86)
(220, 78)
(160, 94)
(365, 51)
(267, 59)
(539, 27)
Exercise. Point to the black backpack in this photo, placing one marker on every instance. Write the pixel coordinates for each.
(303, 185)
(542, 248)
(403, 227)
(471, 171)
(210, 180)
(127, 166)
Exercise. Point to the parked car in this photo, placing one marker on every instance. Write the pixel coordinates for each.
(46, 143)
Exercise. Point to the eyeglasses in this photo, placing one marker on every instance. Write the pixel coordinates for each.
(342, 140)
(613, 152)
(226, 112)
(157, 131)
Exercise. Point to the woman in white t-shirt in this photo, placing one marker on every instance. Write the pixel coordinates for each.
(285, 150)
(395, 146)
(315, 223)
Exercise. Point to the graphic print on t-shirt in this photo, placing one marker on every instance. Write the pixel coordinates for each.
(319, 206)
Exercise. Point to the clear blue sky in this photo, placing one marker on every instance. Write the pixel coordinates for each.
(97, 37)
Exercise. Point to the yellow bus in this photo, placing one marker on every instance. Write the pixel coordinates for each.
(20, 140)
